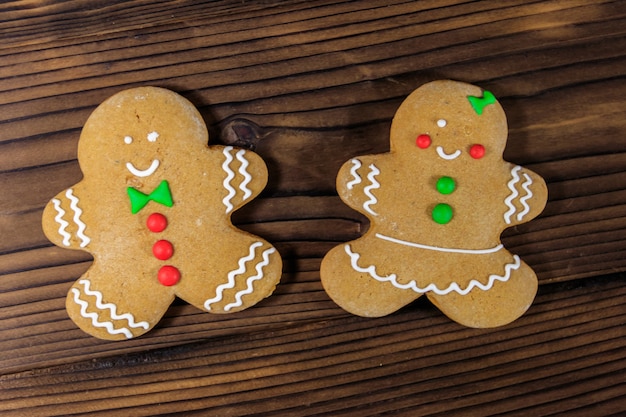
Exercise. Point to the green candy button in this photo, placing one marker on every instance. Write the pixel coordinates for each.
(445, 185)
(442, 213)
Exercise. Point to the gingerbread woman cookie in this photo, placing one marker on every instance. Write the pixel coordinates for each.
(154, 211)
(437, 204)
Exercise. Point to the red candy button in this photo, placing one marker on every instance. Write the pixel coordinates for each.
(156, 222)
(477, 151)
(168, 275)
(423, 141)
(163, 250)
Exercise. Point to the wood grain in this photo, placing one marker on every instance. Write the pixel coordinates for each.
(412, 363)
(308, 85)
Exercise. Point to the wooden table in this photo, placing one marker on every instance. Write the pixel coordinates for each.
(308, 85)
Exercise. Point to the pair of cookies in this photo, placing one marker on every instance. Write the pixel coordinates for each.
(155, 202)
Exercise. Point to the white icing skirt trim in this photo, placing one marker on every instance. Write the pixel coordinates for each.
(454, 287)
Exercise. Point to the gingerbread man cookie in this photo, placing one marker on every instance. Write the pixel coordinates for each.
(154, 211)
(437, 204)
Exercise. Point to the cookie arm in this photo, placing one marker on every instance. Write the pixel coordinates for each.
(62, 221)
(527, 196)
(244, 176)
(358, 184)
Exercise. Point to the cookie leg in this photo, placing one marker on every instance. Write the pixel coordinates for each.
(242, 274)
(108, 308)
(354, 287)
(504, 302)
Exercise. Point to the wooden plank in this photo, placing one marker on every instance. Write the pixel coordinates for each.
(567, 354)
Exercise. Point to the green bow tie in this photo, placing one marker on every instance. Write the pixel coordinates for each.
(161, 195)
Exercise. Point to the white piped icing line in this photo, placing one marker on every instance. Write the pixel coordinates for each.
(453, 287)
(229, 176)
(84, 240)
(231, 276)
(62, 223)
(526, 186)
(439, 249)
(249, 287)
(112, 307)
(356, 164)
(94, 317)
(514, 194)
(374, 184)
(247, 177)
(449, 157)
(143, 173)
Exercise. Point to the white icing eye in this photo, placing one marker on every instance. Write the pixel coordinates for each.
(128, 140)
(442, 122)
(152, 136)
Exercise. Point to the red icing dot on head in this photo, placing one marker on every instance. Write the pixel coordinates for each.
(156, 222)
(423, 141)
(477, 151)
(163, 250)
(168, 275)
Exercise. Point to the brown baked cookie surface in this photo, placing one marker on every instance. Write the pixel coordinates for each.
(154, 210)
(437, 204)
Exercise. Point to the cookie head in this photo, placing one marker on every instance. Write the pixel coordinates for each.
(124, 137)
(450, 122)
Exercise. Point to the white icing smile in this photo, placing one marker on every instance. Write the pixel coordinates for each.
(449, 157)
(143, 173)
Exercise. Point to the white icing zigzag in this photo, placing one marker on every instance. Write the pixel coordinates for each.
(529, 194)
(512, 196)
(509, 200)
(249, 286)
(112, 307)
(231, 276)
(94, 317)
(108, 325)
(412, 285)
(247, 177)
(356, 164)
(62, 223)
(374, 184)
(230, 175)
(77, 212)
